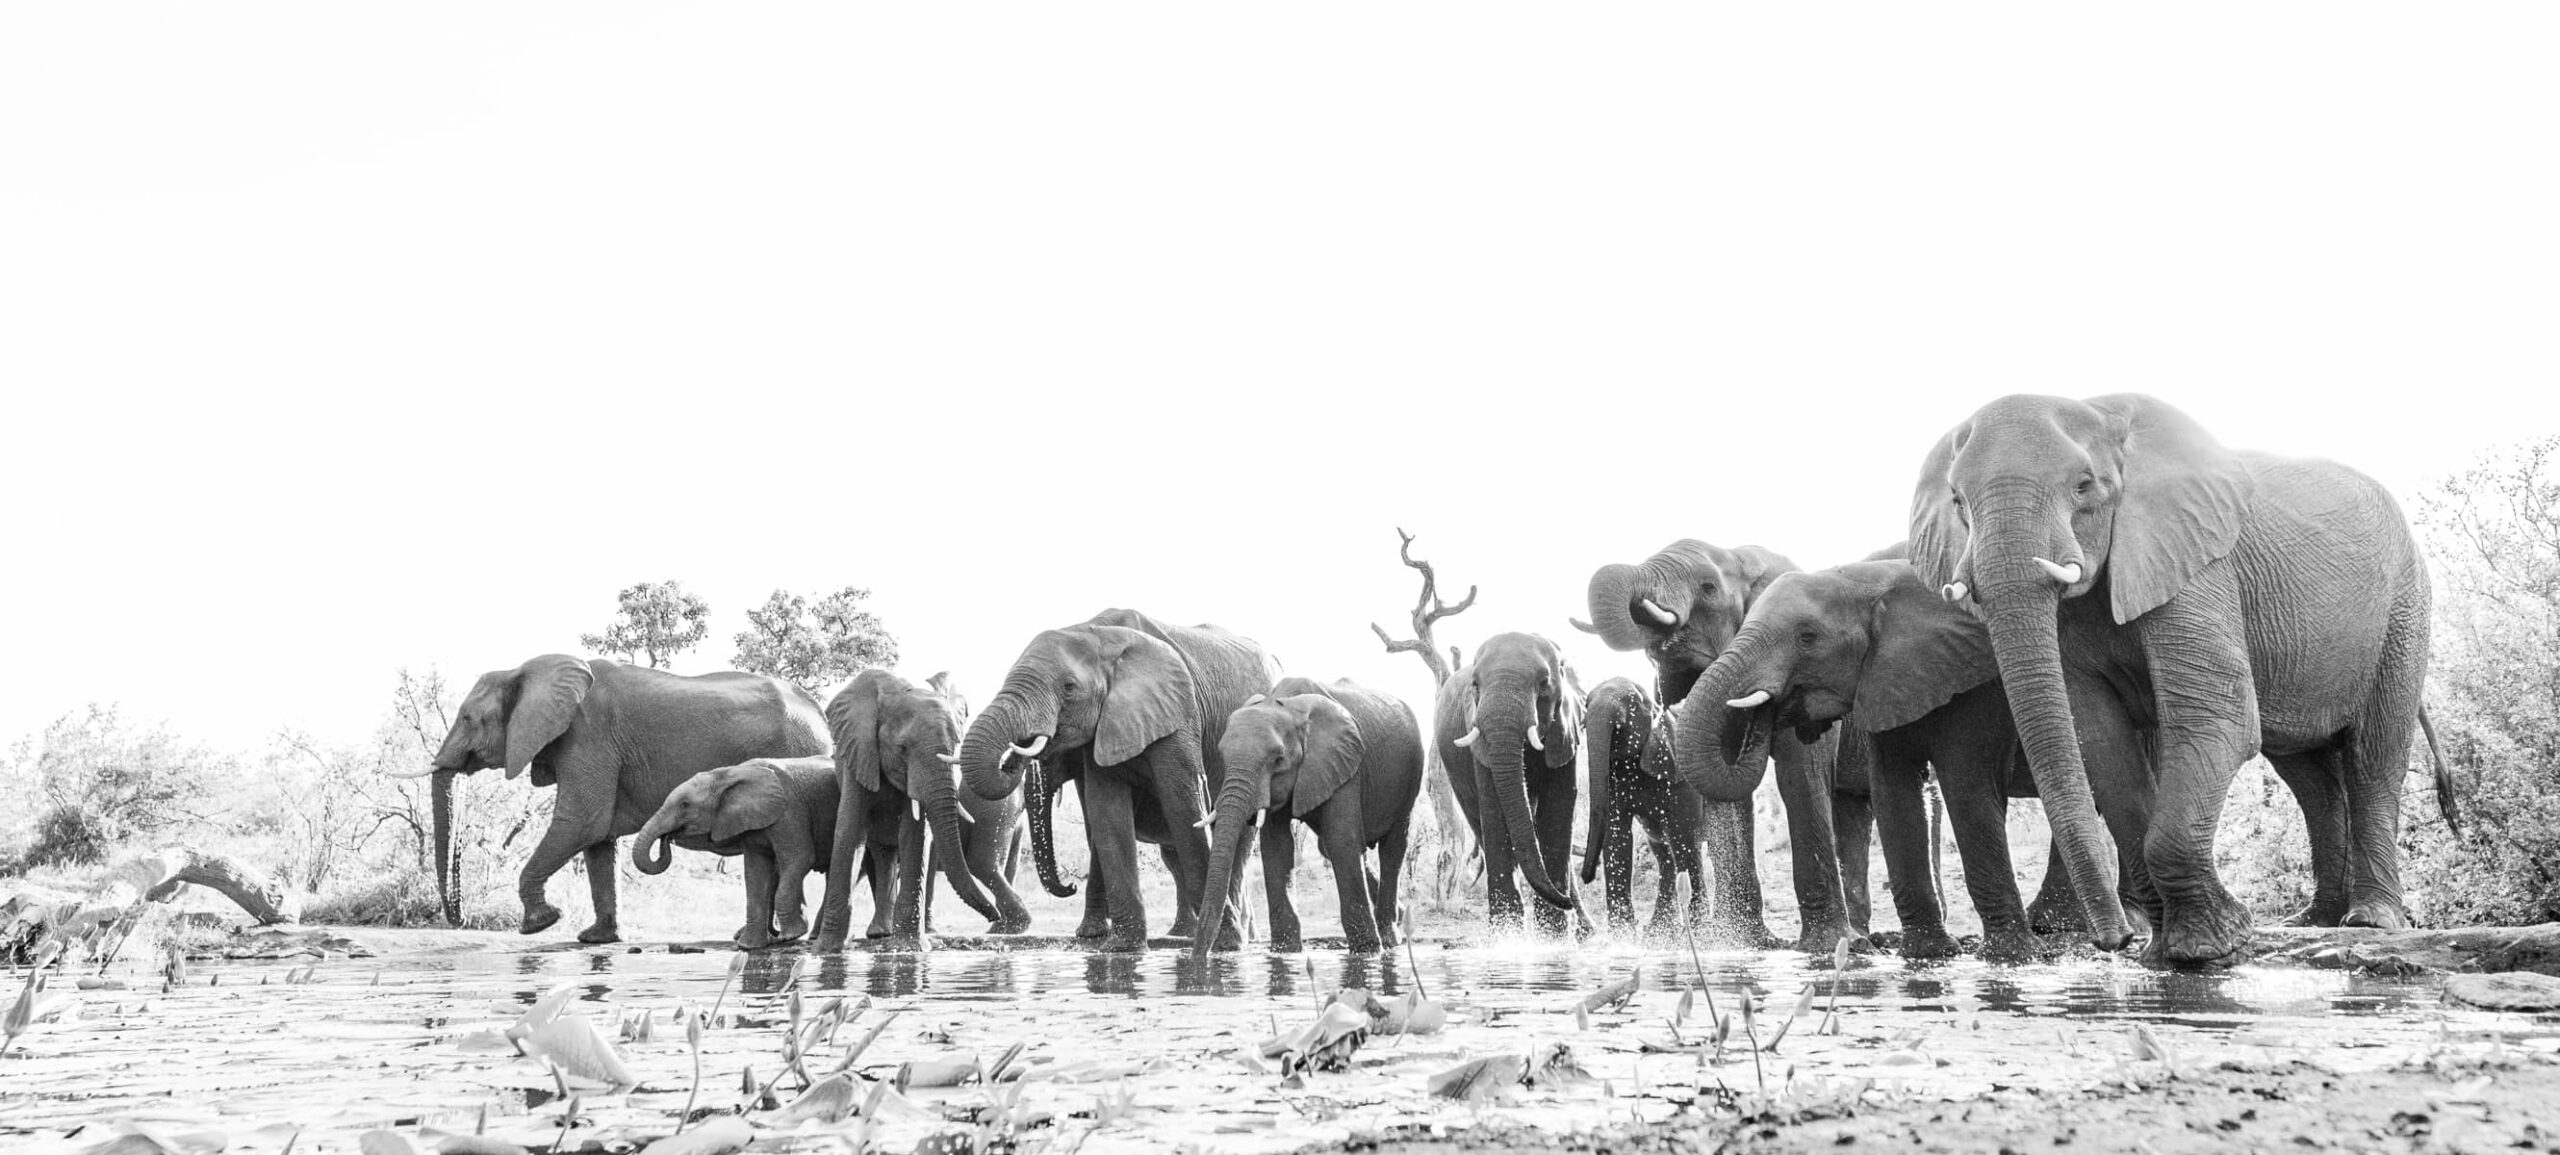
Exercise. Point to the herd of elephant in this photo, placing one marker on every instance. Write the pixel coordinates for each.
(2097, 605)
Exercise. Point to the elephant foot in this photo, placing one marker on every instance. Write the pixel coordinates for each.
(601, 932)
(2011, 946)
(876, 930)
(1010, 924)
(538, 917)
(1928, 942)
(794, 929)
(2385, 914)
(1229, 938)
(828, 943)
(2203, 934)
(1093, 928)
(1725, 934)
(1117, 943)
(1823, 938)
(2319, 914)
(756, 941)
(1365, 944)
(1290, 944)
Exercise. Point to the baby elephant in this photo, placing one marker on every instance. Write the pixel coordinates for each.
(779, 812)
(1345, 760)
(1634, 782)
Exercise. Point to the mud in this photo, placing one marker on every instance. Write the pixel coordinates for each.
(392, 1031)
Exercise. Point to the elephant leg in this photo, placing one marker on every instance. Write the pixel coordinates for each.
(1110, 827)
(2374, 768)
(2315, 779)
(1734, 916)
(564, 838)
(1552, 812)
(601, 862)
(1172, 771)
(911, 874)
(790, 886)
(986, 852)
(1339, 842)
(2056, 909)
(1666, 878)
(1970, 788)
(2208, 711)
(1279, 862)
(881, 863)
(2123, 784)
(758, 931)
(1187, 919)
(1853, 818)
(1097, 897)
(1805, 787)
(1383, 892)
(1618, 858)
(1901, 819)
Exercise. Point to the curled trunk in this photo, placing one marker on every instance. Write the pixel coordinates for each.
(988, 764)
(1627, 603)
(942, 809)
(1720, 751)
(1038, 798)
(448, 867)
(651, 855)
(1226, 854)
(2021, 607)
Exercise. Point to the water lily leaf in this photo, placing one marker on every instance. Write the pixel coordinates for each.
(386, 1143)
(1553, 1065)
(449, 1143)
(946, 1071)
(486, 1043)
(544, 1009)
(581, 1052)
(1324, 1045)
(719, 1136)
(1614, 995)
(828, 1100)
(1479, 1079)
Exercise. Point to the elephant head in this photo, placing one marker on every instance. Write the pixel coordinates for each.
(1681, 606)
(1618, 728)
(509, 719)
(2038, 499)
(1110, 690)
(897, 738)
(1515, 701)
(1869, 638)
(1284, 757)
(714, 807)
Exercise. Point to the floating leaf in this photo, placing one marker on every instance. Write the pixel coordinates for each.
(386, 1143)
(719, 1136)
(581, 1052)
(1324, 1045)
(1479, 1079)
(1553, 1065)
(448, 1143)
(829, 1100)
(1613, 995)
(947, 1071)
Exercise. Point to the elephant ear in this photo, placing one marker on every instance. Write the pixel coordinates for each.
(944, 688)
(1921, 653)
(752, 801)
(1334, 752)
(1939, 539)
(853, 720)
(1760, 565)
(549, 690)
(2183, 501)
(1151, 695)
(1563, 730)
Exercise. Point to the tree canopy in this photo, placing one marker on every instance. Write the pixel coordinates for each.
(658, 621)
(814, 644)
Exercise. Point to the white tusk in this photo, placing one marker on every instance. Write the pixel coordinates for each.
(2066, 574)
(410, 773)
(950, 759)
(1954, 591)
(916, 808)
(1469, 738)
(1755, 698)
(1658, 613)
(1203, 824)
(1535, 742)
(1581, 625)
(1033, 750)
(967, 817)
(1257, 819)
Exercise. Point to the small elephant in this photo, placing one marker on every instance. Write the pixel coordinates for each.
(1130, 709)
(1341, 758)
(1508, 725)
(1871, 646)
(1681, 607)
(896, 745)
(616, 738)
(1634, 782)
(778, 812)
(2145, 585)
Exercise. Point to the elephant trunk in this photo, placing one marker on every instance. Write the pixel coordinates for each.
(1037, 800)
(1603, 736)
(991, 762)
(652, 853)
(448, 867)
(2022, 604)
(1504, 720)
(1715, 749)
(1226, 856)
(942, 809)
(1634, 606)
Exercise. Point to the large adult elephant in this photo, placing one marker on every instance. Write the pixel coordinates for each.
(1682, 607)
(1508, 725)
(1131, 709)
(616, 739)
(896, 745)
(2140, 579)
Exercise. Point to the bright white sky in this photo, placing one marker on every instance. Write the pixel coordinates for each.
(344, 337)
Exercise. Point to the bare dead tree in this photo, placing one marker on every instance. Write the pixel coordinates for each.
(1427, 609)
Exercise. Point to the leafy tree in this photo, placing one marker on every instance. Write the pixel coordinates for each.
(98, 781)
(814, 644)
(659, 621)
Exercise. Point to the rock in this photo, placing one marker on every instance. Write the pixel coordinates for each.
(2516, 991)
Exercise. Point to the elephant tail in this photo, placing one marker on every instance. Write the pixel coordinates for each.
(2444, 775)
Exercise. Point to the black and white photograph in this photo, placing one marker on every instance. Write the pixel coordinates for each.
(1025, 579)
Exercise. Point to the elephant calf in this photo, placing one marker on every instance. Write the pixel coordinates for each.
(779, 812)
(1633, 781)
(1343, 759)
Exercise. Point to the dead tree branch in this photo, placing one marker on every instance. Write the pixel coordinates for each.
(1427, 609)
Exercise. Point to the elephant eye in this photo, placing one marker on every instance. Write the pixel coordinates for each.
(2087, 483)
(1807, 638)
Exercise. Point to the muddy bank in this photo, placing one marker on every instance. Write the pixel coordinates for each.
(2480, 949)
